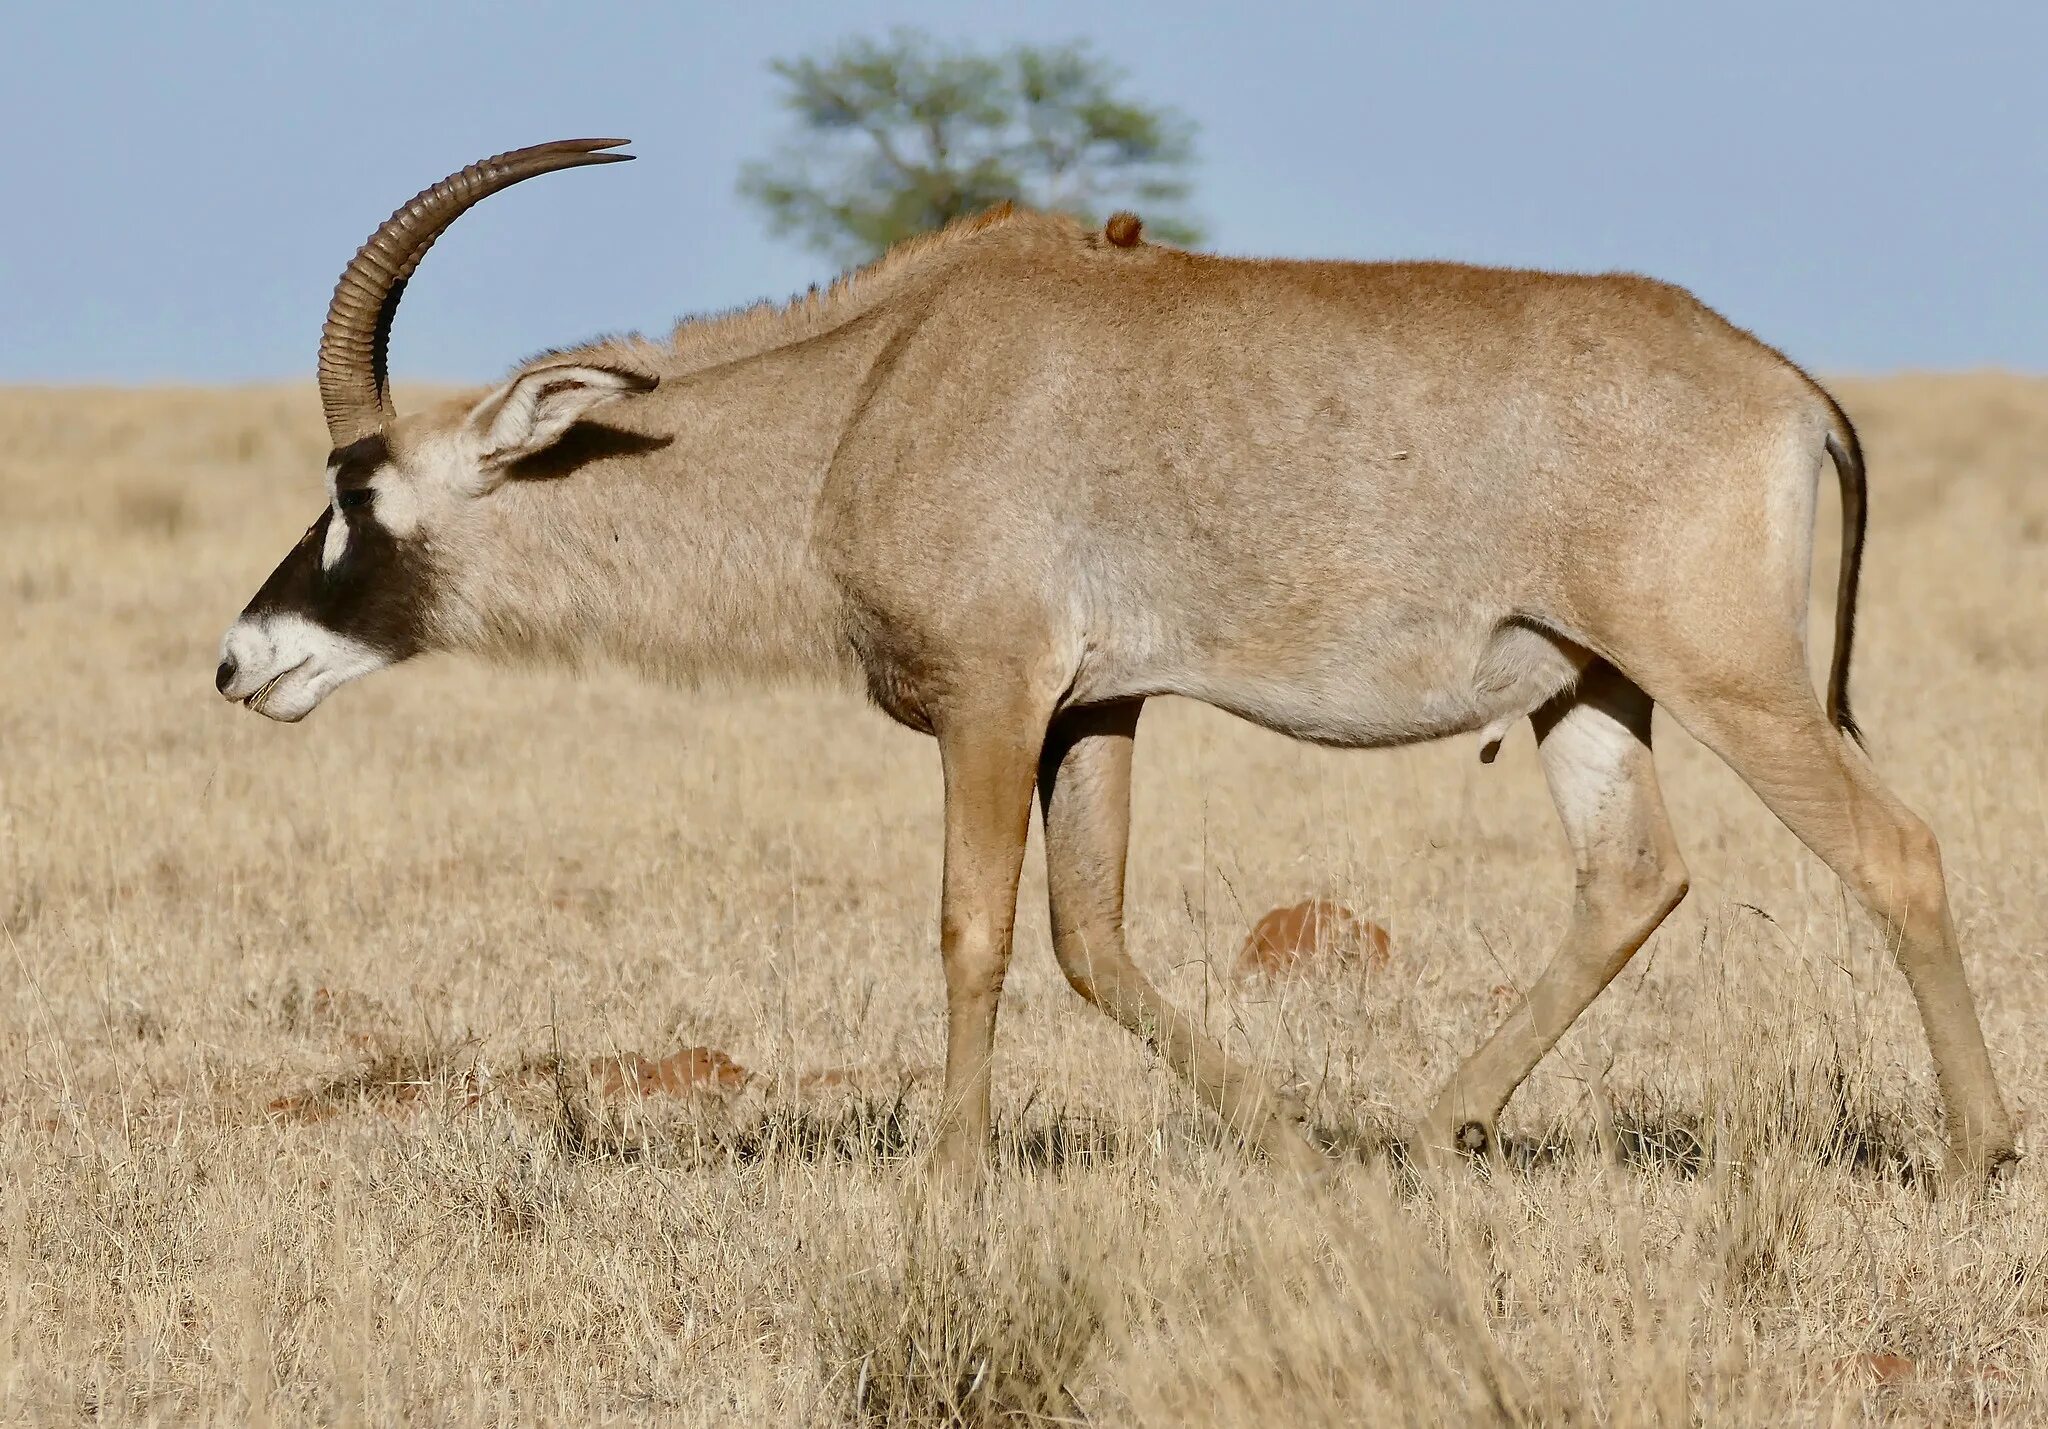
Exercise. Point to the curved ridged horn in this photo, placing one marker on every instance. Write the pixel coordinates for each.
(354, 343)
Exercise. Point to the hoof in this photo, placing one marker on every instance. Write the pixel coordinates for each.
(1436, 1145)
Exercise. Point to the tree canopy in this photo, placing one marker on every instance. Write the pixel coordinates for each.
(900, 136)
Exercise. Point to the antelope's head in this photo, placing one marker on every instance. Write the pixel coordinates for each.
(358, 592)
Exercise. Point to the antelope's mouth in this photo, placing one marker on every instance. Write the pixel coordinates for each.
(255, 698)
(258, 698)
(282, 666)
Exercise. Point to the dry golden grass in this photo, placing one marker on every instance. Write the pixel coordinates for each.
(298, 1024)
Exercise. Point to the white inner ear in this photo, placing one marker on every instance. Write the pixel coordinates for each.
(530, 413)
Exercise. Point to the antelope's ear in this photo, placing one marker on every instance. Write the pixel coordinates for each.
(530, 413)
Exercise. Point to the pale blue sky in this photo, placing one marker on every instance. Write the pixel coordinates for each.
(1865, 184)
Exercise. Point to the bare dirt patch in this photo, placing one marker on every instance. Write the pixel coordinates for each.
(1314, 938)
(689, 1071)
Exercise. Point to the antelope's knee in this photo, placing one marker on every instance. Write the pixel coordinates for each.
(976, 950)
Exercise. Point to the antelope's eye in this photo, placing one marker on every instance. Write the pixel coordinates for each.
(352, 498)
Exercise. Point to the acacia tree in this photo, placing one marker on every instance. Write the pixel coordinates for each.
(900, 136)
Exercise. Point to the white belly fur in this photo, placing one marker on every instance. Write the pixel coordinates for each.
(1405, 687)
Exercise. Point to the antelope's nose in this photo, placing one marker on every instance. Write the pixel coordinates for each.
(225, 675)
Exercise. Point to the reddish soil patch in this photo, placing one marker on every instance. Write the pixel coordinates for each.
(829, 1077)
(692, 1070)
(1879, 1369)
(303, 1108)
(1896, 1370)
(309, 1107)
(383, 1089)
(1316, 936)
(392, 1083)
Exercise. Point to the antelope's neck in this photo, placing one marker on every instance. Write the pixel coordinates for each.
(683, 547)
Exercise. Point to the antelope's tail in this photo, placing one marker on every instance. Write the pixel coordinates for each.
(1847, 454)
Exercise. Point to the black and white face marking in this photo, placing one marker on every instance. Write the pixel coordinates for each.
(348, 600)
(356, 593)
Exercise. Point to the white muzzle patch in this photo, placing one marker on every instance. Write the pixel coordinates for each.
(285, 665)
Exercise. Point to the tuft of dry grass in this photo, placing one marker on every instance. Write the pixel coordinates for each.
(962, 1316)
(361, 1071)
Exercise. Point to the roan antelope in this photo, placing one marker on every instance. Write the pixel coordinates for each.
(1017, 478)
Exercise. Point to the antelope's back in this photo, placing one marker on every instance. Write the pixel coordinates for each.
(1350, 477)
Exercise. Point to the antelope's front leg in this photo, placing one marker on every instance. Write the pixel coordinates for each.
(991, 757)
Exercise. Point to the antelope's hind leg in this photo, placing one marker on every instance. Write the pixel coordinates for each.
(1084, 785)
(1594, 743)
(1773, 733)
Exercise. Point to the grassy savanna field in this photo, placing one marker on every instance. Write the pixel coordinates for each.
(300, 1122)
